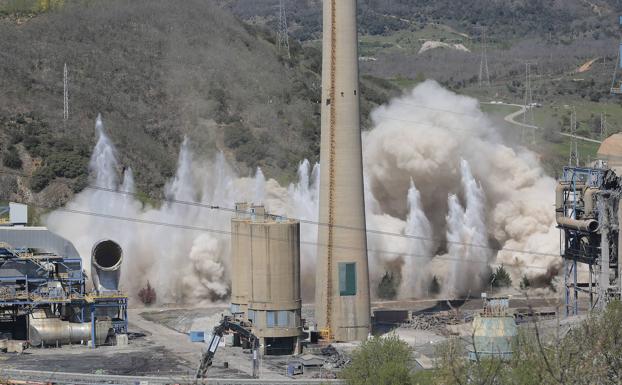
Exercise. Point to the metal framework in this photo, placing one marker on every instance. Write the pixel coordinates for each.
(283, 34)
(528, 113)
(616, 84)
(484, 74)
(30, 281)
(585, 246)
(65, 93)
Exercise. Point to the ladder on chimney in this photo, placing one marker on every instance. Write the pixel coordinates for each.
(327, 332)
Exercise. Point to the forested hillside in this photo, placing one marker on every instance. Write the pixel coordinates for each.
(506, 18)
(156, 71)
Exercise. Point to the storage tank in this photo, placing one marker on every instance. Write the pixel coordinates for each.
(45, 330)
(270, 271)
(494, 331)
(240, 259)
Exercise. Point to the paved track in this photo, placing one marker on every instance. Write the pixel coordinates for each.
(511, 119)
(92, 379)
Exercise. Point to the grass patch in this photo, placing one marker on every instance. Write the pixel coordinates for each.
(424, 377)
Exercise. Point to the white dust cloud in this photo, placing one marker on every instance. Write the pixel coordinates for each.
(435, 171)
(478, 193)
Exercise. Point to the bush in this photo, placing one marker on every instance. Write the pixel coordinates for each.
(237, 135)
(41, 179)
(589, 353)
(380, 360)
(525, 283)
(67, 165)
(11, 159)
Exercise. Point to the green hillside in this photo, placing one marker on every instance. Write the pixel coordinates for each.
(156, 71)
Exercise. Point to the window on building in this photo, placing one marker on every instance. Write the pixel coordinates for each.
(251, 316)
(283, 319)
(270, 319)
(347, 278)
(235, 308)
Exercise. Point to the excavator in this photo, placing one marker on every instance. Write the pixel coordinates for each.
(229, 324)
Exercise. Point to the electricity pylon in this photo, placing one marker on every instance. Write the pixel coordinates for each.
(484, 74)
(65, 94)
(282, 37)
(528, 116)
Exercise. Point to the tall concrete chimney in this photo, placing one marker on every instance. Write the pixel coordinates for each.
(342, 308)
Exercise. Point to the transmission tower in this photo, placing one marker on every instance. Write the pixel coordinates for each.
(528, 106)
(65, 94)
(484, 74)
(282, 37)
(573, 160)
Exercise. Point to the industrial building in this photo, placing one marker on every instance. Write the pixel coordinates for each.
(342, 301)
(265, 286)
(588, 215)
(44, 299)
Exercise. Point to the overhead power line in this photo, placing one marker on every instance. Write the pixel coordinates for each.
(229, 233)
(310, 222)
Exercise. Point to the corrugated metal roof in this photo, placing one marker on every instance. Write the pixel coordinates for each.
(38, 238)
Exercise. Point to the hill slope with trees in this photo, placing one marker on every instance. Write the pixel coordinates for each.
(156, 71)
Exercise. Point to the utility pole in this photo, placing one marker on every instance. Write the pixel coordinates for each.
(528, 117)
(573, 160)
(65, 94)
(282, 34)
(484, 74)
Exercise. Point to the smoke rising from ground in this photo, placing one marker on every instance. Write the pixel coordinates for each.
(474, 189)
(442, 178)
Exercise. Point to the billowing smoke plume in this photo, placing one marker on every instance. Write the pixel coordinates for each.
(478, 194)
(436, 172)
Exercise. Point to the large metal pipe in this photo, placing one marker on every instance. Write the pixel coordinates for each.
(106, 259)
(561, 188)
(50, 331)
(589, 197)
(588, 225)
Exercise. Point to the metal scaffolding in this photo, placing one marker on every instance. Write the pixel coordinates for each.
(587, 214)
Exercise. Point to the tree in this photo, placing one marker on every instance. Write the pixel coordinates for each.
(589, 353)
(387, 288)
(500, 278)
(11, 159)
(41, 179)
(380, 360)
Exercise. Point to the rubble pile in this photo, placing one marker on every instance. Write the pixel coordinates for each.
(436, 322)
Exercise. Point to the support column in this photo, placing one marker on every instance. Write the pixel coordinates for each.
(619, 251)
(603, 281)
(93, 344)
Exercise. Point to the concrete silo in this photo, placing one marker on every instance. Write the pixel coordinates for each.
(342, 283)
(268, 262)
(240, 259)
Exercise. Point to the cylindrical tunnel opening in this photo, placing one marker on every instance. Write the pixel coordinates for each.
(107, 255)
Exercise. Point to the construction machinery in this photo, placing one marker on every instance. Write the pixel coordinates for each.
(229, 325)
